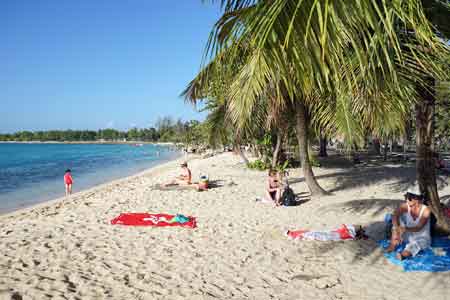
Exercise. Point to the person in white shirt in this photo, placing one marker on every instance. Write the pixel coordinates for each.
(411, 224)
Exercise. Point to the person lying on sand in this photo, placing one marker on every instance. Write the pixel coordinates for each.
(343, 232)
(273, 187)
(185, 178)
(411, 224)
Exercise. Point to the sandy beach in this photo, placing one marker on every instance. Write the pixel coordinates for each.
(67, 248)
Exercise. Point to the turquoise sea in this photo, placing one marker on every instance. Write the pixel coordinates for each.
(33, 173)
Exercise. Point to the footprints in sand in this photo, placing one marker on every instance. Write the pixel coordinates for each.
(70, 251)
(319, 281)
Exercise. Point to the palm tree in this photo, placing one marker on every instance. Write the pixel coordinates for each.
(437, 12)
(303, 46)
(211, 85)
(253, 100)
(308, 44)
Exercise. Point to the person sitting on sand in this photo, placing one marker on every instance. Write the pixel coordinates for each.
(411, 224)
(274, 187)
(185, 178)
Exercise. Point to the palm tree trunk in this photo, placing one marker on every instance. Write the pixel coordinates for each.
(406, 137)
(385, 150)
(276, 151)
(376, 146)
(323, 146)
(404, 148)
(238, 150)
(425, 168)
(302, 137)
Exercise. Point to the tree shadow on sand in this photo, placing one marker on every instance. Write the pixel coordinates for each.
(403, 177)
(360, 177)
(302, 198)
(375, 207)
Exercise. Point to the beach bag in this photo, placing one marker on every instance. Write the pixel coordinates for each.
(203, 183)
(288, 197)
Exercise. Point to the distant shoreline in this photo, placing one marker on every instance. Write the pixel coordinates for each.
(91, 142)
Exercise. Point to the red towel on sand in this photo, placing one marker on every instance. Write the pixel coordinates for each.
(146, 219)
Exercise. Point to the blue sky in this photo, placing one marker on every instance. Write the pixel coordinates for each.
(90, 64)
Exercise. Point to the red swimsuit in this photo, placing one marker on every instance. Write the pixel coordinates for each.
(68, 178)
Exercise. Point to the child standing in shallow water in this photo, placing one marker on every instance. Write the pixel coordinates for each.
(68, 182)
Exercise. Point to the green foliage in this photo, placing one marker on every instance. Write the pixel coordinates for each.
(357, 70)
(442, 116)
(266, 141)
(281, 168)
(261, 165)
(314, 161)
(265, 146)
(190, 133)
(258, 165)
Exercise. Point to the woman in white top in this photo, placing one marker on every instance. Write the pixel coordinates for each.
(411, 223)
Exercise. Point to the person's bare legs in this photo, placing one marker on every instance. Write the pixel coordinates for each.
(178, 181)
(278, 197)
(68, 189)
(269, 197)
(183, 182)
(173, 182)
(403, 254)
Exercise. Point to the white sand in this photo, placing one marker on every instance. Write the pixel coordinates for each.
(67, 249)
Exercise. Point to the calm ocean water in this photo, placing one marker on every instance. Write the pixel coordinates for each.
(33, 173)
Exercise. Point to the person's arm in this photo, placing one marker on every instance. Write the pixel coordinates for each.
(189, 176)
(396, 228)
(396, 216)
(269, 186)
(422, 222)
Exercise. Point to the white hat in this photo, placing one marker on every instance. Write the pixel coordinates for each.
(415, 190)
